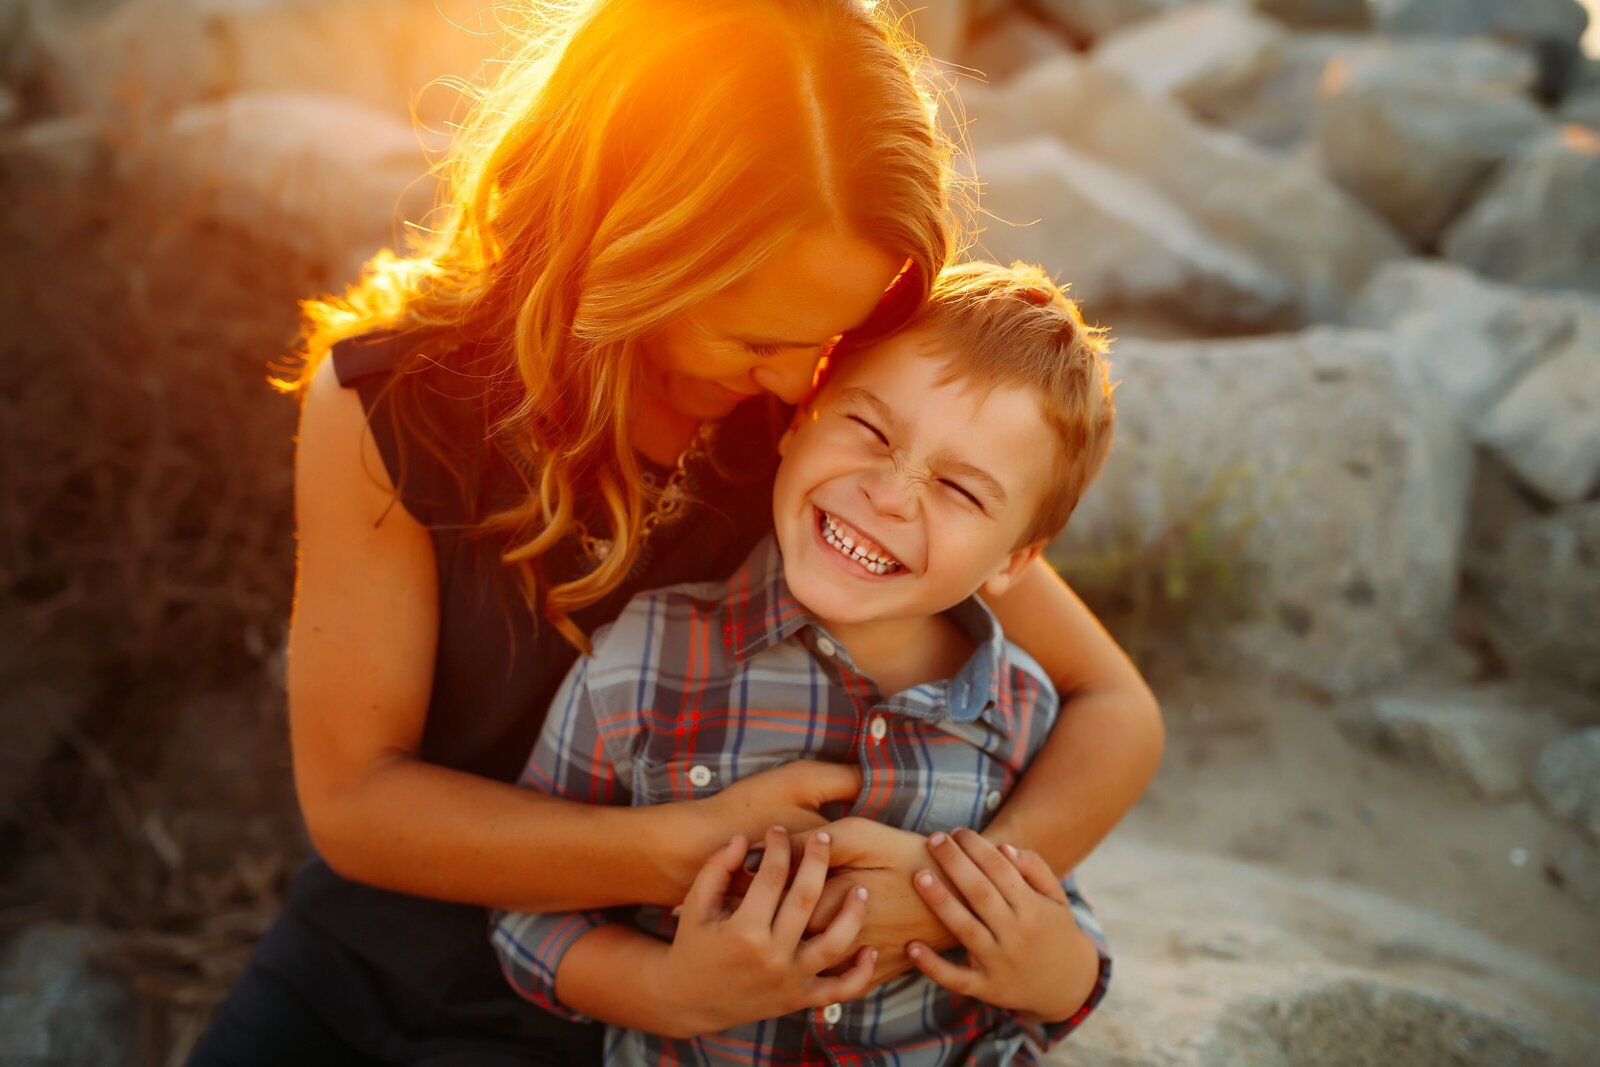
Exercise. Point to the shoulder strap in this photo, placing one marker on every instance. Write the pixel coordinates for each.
(366, 356)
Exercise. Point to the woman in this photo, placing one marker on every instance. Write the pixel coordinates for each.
(658, 218)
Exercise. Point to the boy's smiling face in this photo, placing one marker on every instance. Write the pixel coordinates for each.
(899, 496)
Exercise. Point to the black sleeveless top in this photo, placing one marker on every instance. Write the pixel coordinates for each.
(495, 672)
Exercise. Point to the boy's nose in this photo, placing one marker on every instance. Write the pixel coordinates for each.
(889, 492)
(787, 374)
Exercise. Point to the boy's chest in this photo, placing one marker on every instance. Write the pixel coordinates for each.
(918, 773)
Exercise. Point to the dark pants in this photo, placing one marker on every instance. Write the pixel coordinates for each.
(305, 999)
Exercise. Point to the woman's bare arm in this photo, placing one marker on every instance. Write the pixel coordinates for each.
(361, 660)
(1107, 742)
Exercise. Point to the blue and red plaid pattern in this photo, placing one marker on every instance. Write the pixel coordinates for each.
(697, 686)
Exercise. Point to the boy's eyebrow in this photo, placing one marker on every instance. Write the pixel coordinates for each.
(879, 408)
(960, 467)
(986, 480)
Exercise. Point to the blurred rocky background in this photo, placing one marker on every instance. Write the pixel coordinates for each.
(1351, 529)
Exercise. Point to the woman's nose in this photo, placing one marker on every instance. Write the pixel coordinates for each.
(787, 374)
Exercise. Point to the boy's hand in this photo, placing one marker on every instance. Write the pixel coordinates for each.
(728, 966)
(1025, 950)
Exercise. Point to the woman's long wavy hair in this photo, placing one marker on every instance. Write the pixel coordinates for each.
(631, 159)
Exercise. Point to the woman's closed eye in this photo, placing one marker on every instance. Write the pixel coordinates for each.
(764, 351)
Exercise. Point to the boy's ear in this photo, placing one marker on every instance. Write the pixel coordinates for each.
(801, 412)
(1014, 567)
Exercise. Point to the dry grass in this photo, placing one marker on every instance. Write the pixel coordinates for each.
(146, 557)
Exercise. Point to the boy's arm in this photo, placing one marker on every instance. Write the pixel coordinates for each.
(569, 760)
(1107, 742)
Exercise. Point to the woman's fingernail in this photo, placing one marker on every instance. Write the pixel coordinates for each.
(937, 839)
(1009, 850)
(914, 951)
(872, 955)
(822, 835)
(861, 892)
(779, 830)
(925, 880)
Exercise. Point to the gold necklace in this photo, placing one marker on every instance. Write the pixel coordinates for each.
(671, 504)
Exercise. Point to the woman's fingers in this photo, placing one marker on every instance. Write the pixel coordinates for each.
(704, 901)
(1036, 871)
(833, 945)
(801, 899)
(766, 889)
(971, 882)
(836, 989)
(957, 918)
(953, 976)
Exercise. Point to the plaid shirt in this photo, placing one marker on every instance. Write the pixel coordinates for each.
(697, 686)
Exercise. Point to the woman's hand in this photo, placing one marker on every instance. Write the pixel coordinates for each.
(1025, 950)
(883, 860)
(728, 966)
(789, 796)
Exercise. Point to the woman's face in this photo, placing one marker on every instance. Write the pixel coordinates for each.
(765, 333)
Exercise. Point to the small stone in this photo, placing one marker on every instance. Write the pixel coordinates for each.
(1567, 780)
(1477, 736)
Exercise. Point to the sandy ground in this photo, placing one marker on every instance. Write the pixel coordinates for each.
(1272, 852)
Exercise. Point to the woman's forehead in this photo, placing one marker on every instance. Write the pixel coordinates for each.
(818, 284)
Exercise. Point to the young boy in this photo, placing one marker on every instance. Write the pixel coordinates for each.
(926, 469)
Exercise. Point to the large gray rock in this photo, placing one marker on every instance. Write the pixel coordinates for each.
(1280, 111)
(1207, 56)
(1413, 129)
(1011, 43)
(1318, 14)
(1089, 19)
(322, 176)
(1522, 370)
(1295, 222)
(1551, 28)
(1336, 487)
(1567, 779)
(1118, 241)
(1480, 736)
(56, 1008)
(143, 60)
(1538, 576)
(1537, 222)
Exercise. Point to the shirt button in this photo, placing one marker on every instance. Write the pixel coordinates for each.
(832, 1014)
(878, 728)
(992, 801)
(699, 776)
(826, 647)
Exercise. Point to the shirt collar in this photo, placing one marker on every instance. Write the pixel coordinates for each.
(761, 611)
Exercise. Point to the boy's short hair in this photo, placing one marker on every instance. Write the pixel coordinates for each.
(1015, 326)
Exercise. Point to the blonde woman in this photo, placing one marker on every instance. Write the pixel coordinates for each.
(659, 217)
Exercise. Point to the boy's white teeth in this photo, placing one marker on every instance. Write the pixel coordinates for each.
(875, 560)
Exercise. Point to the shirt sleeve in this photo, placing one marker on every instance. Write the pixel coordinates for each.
(570, 761)
(1046, 1035)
